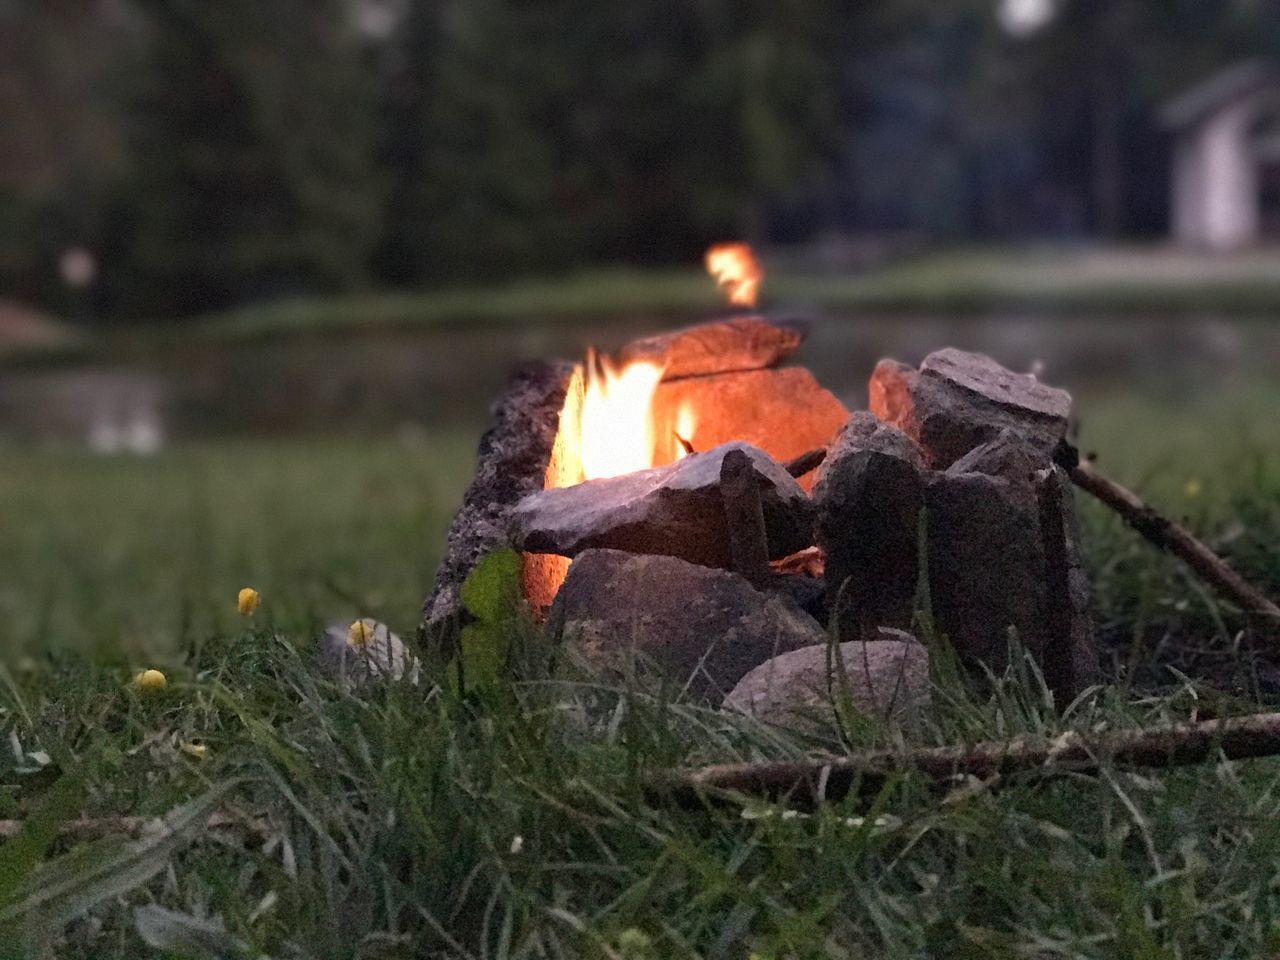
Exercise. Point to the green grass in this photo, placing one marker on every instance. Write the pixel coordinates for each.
(134, 557)
(509, 822)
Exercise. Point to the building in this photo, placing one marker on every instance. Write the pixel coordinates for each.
(1225, 188)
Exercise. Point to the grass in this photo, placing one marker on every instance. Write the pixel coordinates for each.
(508, 821)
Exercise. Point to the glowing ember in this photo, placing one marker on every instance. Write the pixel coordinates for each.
(736, 270)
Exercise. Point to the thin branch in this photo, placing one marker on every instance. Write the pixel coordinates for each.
(92, 828)
(810, 781)
(806, 462)
(1167, 535)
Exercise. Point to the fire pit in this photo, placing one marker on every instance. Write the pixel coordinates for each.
(698, 499)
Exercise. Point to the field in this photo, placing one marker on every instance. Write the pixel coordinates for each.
(509, 821)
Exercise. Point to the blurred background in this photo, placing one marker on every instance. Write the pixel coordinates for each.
(264, 263)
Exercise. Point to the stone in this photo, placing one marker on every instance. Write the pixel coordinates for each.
(785, 412)
(728, 346)
(868, 497)
(986, 564)
(957, 401)
(1071, 656)
(700, 629)
(886, 679)
(1006, 456)
(514, 457)
(675, 510)
(385, 657)
(1004, 554)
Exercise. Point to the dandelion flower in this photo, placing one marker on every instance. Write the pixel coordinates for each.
(151, 681)
(360, 633)
(1193, 488)
(248, 601)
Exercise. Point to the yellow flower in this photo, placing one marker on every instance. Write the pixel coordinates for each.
(1193, 488)
(248, 601)
(197, 750)
(151, 681)
(360, 634)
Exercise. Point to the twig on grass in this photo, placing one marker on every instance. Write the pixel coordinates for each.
(1175, 539)
(93, 828)
(808, 782)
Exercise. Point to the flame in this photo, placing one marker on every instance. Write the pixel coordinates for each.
(617, 429)
(736, 269)
(686, 424)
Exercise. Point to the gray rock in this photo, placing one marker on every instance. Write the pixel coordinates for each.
(1004, 554)
(986, 564)
(869, 495)
(958, 401)
(729, 346)
(886, 678)
(1071, 655)
(1006, 456)
(674, 510)
(699, 628)
(512, 462)
(384, 657)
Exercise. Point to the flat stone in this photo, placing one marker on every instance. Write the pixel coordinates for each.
(869, 495)
(728, 346)
(886, 678)
(784, 412)
(514, 456)
(699, 628)
(675, 510)
(957, 401)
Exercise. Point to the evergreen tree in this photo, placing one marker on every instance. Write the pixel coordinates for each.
(254, 153)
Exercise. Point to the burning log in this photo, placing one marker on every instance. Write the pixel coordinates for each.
(676, 510)
(866, 774)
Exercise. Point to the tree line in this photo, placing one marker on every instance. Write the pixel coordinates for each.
(211, 153)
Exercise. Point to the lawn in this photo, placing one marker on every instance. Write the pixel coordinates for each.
(508, 821)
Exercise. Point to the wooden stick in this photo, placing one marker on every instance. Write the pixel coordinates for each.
(1167, 535)
(744, 518)
(806, 462)
(92, 828)
(809, 781)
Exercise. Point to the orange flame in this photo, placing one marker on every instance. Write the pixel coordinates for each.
(737, 270)
(617, 427)
(611, 426)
